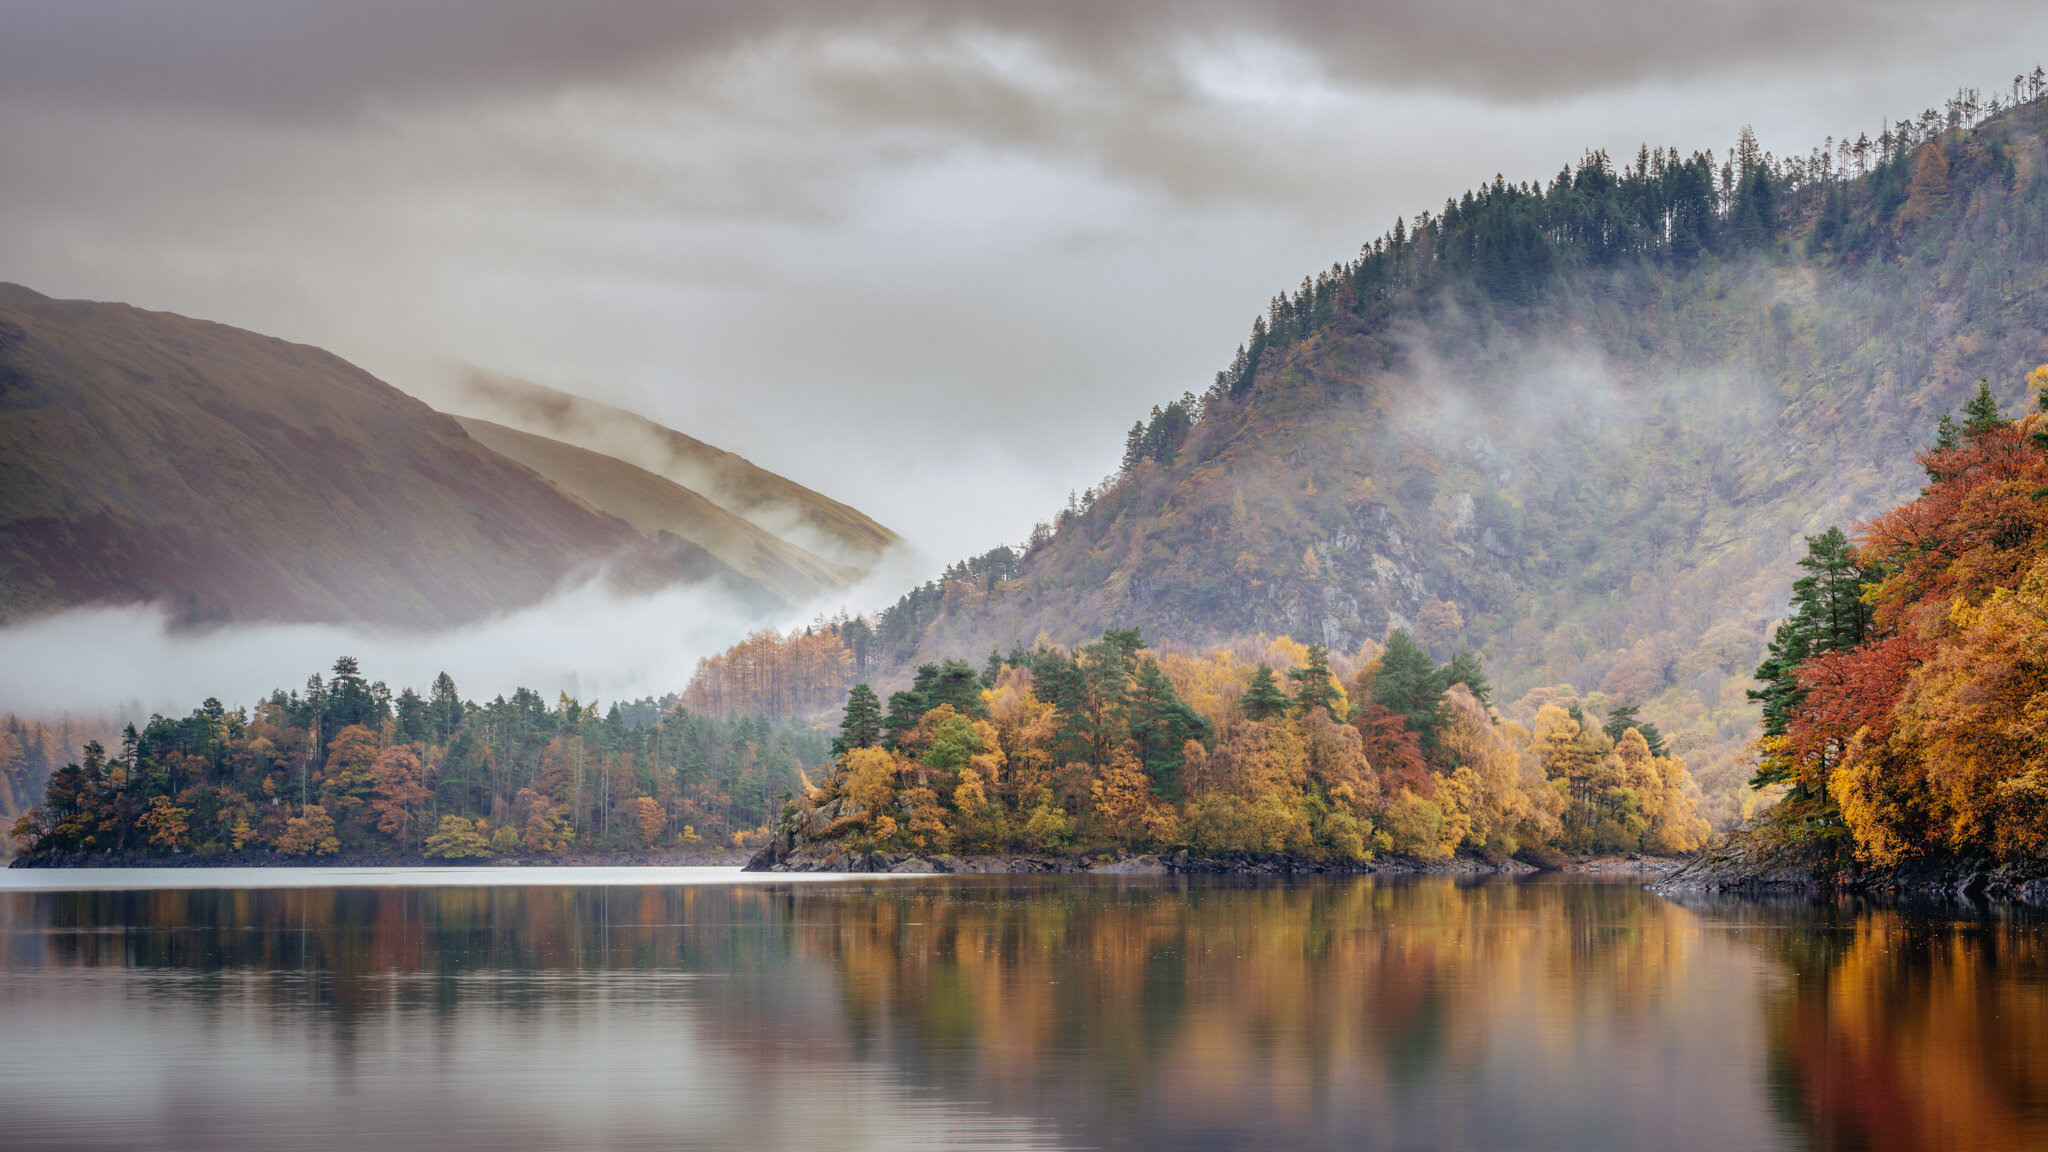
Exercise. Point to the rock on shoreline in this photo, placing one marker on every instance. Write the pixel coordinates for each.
(818, 859)
(1745, 863)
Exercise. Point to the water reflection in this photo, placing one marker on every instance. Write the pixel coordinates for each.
(1007, 1013)
(1904, 1027)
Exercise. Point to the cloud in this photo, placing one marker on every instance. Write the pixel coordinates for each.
(318, 60)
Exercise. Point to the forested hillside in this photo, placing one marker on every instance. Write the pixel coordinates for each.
(1581, 426)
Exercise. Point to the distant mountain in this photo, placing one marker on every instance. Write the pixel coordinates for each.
(1580, 426)
(666, 511)
(230, 476)
(817, 523)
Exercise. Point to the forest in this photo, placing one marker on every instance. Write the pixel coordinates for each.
(1903, 698)
(1262, 749)
(346, 767)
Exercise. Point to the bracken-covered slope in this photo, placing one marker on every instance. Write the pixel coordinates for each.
(1581, 427)
(150, 457)
(777, 504)
(664, 510)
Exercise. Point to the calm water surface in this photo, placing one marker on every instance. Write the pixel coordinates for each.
(513, 1010)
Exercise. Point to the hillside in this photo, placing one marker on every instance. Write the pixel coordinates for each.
(1580, 426)
(663, 510)
(776, 504)
(232, 476)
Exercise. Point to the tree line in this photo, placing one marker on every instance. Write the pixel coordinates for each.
(1117, 747)
(344, 766)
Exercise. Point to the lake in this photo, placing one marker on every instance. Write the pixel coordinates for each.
(512, 1009)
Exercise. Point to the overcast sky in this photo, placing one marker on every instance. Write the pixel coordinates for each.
(930, 258)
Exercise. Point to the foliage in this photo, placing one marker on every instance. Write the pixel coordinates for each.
(1917, 727)
(1120, 748)
(345, 766)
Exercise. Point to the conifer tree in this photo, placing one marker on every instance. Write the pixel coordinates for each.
(862, 725)
(1828, 614)
(1409, 685)
(1161, 724)
(1313, 685)
(1980, 415)
(1623, 717)
(1263, 699)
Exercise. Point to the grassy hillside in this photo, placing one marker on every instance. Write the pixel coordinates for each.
(664, 510)
(1581, 426)
(776, 504)
(147, 456)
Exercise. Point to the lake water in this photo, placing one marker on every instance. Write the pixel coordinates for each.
(639, 1008)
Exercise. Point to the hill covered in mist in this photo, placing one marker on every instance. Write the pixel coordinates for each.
(148, 457)
(1581, 426)
(775, 504)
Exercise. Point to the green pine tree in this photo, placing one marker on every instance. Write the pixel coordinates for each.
(1981, 413)
(1161, 724)
(1410, 685)
(1263, 699)
(1828, 614)
(861, 726)
(1313, 685)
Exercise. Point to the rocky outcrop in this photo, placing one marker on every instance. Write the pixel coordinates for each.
(1750, 862)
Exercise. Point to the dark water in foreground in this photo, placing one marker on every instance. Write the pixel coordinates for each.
(1011, 1013)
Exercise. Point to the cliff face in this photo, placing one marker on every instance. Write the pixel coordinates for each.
(147, 456)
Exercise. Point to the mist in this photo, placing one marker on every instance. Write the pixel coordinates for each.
(592, 643)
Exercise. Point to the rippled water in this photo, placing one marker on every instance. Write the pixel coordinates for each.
(514, 1010)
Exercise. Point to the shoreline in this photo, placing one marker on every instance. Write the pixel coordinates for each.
(726, 859)
(772, 859)
(899, 863)
(1746, 865)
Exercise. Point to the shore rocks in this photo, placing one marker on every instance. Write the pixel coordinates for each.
(820, 858)
(1745, 862)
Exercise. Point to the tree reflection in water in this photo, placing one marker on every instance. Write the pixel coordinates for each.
(1018, 1012)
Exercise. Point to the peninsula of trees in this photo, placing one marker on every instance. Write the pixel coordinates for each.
(1117, 748)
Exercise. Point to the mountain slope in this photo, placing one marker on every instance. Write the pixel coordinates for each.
(660, 508)
(147, 456)
(1581, 426)
(815, 522)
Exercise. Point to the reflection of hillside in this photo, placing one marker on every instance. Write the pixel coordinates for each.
(1904, 1031)
(1280, 1016)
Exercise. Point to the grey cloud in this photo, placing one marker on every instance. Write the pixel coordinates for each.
(261, 58)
